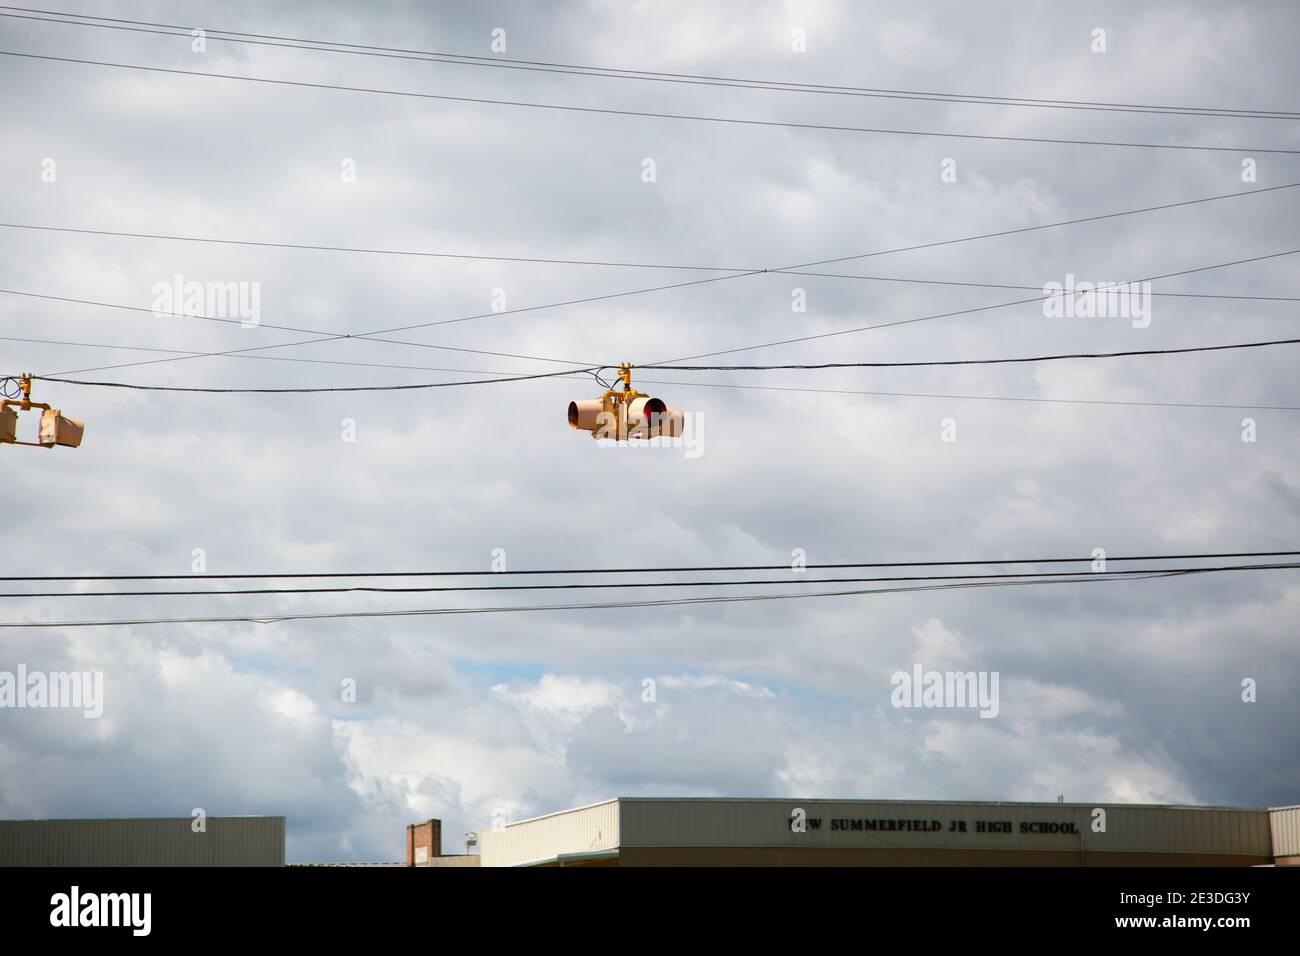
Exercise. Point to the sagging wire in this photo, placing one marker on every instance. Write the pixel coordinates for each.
(10, 389)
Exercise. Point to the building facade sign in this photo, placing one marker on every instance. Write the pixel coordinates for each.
(845, 824)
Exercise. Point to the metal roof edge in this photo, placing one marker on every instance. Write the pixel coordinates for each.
(579, 855)
(186, 819)
(945, 803)
(557, 813)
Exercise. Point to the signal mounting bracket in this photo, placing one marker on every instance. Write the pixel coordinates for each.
(629, 393)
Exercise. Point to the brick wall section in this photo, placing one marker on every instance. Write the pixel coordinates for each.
(428, 835)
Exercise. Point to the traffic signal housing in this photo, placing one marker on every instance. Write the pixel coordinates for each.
(55, 428)
(626, 414)
(8, 425)
(587, 414)
(652, 418)
(58, 430)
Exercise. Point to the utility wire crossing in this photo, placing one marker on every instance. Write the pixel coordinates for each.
(620, 264)
(675, 368)
(372, 335)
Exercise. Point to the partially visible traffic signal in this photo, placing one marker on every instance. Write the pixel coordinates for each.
(627, 414)
(8, 425)
(55, 428)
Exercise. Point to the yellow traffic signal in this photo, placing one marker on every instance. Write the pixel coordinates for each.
(587, 414)
(627, 414)
(8, 425)
(55, 428)
(652, 418)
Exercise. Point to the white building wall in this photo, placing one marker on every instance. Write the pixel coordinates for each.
(542, 839)
(1285, 824)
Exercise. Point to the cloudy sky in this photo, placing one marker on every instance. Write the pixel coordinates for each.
(1111, 692)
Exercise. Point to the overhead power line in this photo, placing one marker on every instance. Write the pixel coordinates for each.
(604, 605)
(371, 250)
(157, 313)
(322, 336)
(672, 569)
(619, 585)
(375, 251)
(909, 280)
(275, 391)
(335, 336)
(968, 311)
(576, 373)
(904, 249)
(691, 368)
(949, 397)
(270, 358)
(689, 117)
(670, 367)
(693, 79)
(684, 368)
(241, 353)
(372, 336)
(810, 391)
(992, 361)
(1023, 229)
(329, 336)
(288, 328)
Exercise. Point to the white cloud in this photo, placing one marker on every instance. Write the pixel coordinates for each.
(459, 716)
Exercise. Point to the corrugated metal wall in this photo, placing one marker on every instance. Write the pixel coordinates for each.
(1185, 830)
(584, 830)
(229, 841)
(752, 823)
(1285, 824)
